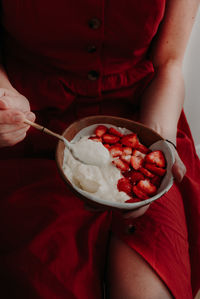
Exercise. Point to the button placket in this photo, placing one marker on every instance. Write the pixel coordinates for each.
(94, 24)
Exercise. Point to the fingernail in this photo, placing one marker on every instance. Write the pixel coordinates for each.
(30, 116)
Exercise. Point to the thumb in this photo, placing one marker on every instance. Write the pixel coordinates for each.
(178, 168)
(30, 116)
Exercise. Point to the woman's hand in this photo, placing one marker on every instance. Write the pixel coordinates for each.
(14, 108)
(178, 168)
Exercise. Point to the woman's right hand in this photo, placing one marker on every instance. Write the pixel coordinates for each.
(14, 108)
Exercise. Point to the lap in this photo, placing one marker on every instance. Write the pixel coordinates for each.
(160, 238)
(130, 276)
(51, 247)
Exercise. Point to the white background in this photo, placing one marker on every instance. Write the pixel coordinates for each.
(191, 71)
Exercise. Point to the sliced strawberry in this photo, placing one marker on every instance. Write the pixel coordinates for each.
(124, 185)
(137, 159)
(107, 145)
(154, 169)
(126, 158)
(157, 158)
(128, 173)
(123, 166)
(115, 132)
(130, 140)
(156, 180)
(133, 199)
(115, 150)
(147, 187)
(127, 150)
(100, 130)
(111, 139)
(142, 148)
(136, 176)
(119, 144)
(146, 172)
(95, 138)
(138, 192)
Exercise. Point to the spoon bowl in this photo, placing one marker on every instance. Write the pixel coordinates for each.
(74, 148)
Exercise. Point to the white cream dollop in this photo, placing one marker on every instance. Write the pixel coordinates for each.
(99, 179)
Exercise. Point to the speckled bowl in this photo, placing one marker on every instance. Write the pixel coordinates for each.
(146, 136)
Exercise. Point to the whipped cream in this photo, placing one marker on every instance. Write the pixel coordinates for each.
(99, 179)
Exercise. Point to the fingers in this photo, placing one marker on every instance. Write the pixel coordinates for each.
(14, 109)
(13, 100)
(178, 169)
(13, 116)
(12, 138)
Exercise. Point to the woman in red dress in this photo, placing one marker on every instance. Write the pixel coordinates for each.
(66, 60)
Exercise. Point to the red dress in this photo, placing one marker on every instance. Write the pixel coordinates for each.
(72, 59)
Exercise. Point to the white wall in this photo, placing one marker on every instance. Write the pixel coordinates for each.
(191, 70)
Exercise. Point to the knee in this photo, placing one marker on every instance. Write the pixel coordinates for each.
(130, 277)
(135, 292)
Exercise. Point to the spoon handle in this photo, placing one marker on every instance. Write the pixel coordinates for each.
(43, 129)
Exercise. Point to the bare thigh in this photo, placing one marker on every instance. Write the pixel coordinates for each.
(130, 276)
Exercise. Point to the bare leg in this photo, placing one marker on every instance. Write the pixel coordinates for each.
(130, 276)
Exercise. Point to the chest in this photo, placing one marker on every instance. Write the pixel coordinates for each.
(129, 22)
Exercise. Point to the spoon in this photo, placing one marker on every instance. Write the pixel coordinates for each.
(94, 154)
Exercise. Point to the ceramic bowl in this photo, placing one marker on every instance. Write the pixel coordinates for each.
(148, 137)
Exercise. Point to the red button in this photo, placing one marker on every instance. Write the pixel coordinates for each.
(91, 49)
(93, 75)
(94, 23)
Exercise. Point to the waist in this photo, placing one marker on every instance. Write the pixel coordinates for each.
(83, 76)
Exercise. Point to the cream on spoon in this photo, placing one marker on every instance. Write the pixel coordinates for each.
(91, 154)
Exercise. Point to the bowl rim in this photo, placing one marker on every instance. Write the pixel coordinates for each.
(104, 203)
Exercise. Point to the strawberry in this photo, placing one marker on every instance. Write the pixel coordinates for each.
(133, 199)
(147, 187)
(139, 193)
(137, 159)
(124, 185)
(115, 132)
(115, 150)
(127, 150)
(107, 145)
(95, 138)
(100, 130)
(123, 166)
(127, 174)
(136, 176)
(126, 158)
(142, 148)
(146, 172)
(111, 139)
(130, 140)
(154, 169)
(157, 158)
(156, 180)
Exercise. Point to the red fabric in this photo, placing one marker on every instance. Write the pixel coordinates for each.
(51, 247)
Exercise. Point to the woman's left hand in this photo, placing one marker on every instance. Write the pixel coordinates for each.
(178, 168)
(178, 171)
